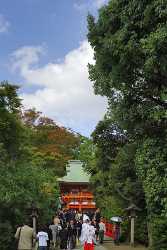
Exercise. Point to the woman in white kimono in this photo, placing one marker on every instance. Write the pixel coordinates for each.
(88, 235)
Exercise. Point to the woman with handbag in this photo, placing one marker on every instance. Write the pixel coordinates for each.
(25, 236)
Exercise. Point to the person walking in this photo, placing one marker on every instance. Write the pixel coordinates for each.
(72, 232)
(116, 231)
(25, 236)
(56, 220)
(55, 228)
(42, 237)
(83, 236)
(50, 237)
(63, 237)
(78, 226)
(89, 237)
(102, 230)
(97, 215)
(96, 226)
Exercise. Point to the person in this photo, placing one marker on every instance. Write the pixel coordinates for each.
(77, 216)
(62, 217)
(25, 236)
(116, 231)
(78, 226)
(84, 231)
(97, 215)
(63, 237)
(91, 215)
(71, 235)
(50, 237)
(89, 237)
(96, 226)
(42, 237)
(56, 219)
(55, 228)
(102, 230)
(85, 217)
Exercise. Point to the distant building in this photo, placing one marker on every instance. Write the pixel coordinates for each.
(75, 188)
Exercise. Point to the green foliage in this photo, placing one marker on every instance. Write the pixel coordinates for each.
(110, 160)
(25, 174)
(151, 160)
(11, 131)
(159, 233)
(6, 234)
(86, 154)
(130, 51)
(54, 143)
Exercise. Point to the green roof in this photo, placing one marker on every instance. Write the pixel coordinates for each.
(75, 173)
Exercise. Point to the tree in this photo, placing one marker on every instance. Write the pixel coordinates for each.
(11, 132)
(130, 51)
(57, 144)
(23, 174)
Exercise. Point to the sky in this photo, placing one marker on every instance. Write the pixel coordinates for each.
(44, 50)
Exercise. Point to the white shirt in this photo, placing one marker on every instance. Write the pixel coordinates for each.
(42, 239)
(102, 227)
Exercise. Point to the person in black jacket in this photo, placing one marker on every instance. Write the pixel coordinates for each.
(97, 215)
(96, 226)
(63, 237)
(49, 232)
(72, 232)
(78, 226)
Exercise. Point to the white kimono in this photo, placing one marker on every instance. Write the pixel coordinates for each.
(84, 232)
(87, 233)
(90, 234)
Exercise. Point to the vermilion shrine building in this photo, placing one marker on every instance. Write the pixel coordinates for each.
(75, 188)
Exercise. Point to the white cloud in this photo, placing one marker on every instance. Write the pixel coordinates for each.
(4, 24)
(64, 92)
(82, 5)
(100, 3)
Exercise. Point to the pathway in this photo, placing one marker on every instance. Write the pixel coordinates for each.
(111, 246)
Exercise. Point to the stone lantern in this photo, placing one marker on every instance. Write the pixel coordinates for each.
(131, 210)
(33, 212)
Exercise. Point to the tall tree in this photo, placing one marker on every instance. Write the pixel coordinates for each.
(129, 39)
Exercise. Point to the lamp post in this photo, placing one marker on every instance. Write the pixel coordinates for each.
(132, 215)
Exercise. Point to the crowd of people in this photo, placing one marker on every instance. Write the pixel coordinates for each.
(67, 229)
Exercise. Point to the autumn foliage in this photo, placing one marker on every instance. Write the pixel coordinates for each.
(56, 143)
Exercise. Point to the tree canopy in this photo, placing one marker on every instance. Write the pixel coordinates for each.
(130, 51)
(34, 151)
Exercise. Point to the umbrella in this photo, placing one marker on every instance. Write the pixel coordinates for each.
(116, 219)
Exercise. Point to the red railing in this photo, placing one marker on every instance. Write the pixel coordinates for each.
(109, 229)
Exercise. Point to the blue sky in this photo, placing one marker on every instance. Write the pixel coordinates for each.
(44, 49)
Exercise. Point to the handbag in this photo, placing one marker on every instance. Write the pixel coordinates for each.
(17, 239)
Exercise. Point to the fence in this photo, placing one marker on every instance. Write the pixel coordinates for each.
(109, 229)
